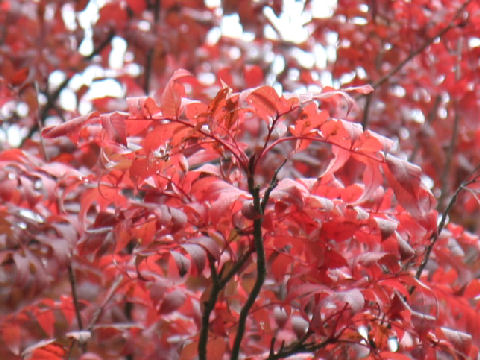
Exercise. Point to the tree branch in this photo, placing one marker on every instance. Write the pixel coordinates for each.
(111, 291)
(443, 220)
(53, 97)
(73, 288)
(427, 43)
(259, 205)
(453, 140)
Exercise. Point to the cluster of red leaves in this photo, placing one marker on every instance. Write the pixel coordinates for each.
(167, 209)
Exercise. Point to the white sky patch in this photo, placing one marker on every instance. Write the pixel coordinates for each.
(117, 55)
(291, 23)
(473, 42)
(68, 16)
(104, 88)
(212, 3)
(55, 79)
(322, 9)
(68, 99)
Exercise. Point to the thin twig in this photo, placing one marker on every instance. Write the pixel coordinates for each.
(443, 220)
(453, 140)
(113, 288)
(273, 184)
(431, 116)
(52, 98)
(39, 123)
(427, 43)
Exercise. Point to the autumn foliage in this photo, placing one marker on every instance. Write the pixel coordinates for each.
(229, 207)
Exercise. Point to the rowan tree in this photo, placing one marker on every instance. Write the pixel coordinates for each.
(304, 188)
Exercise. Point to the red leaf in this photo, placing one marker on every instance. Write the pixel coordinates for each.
(114, 125)
(11, 335)
(46, 350)
(253, 76)
(266, 103)
(172, 94)
(137, 6)
(404, 178)
(46, 319)
(460, 340)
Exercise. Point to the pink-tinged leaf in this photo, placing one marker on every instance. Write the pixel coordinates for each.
(171, 98)
(340, 157)
(290, 191)
(208, 244)
(183, 263)
(299, 325)
(362, 89)
(353, 297)
(46, 350)
(70, 127)
(172, 301)
(198, 255)
(115, 128)
(253, 76)
(460, 340)
(404, 178)
(386, 226)
(142, 108)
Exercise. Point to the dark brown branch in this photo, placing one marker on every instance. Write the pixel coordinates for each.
(218, 284)
(366, 110)
(259, 205)
(444, 178)
(273, 184)
(427, 43)
(73, 288)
